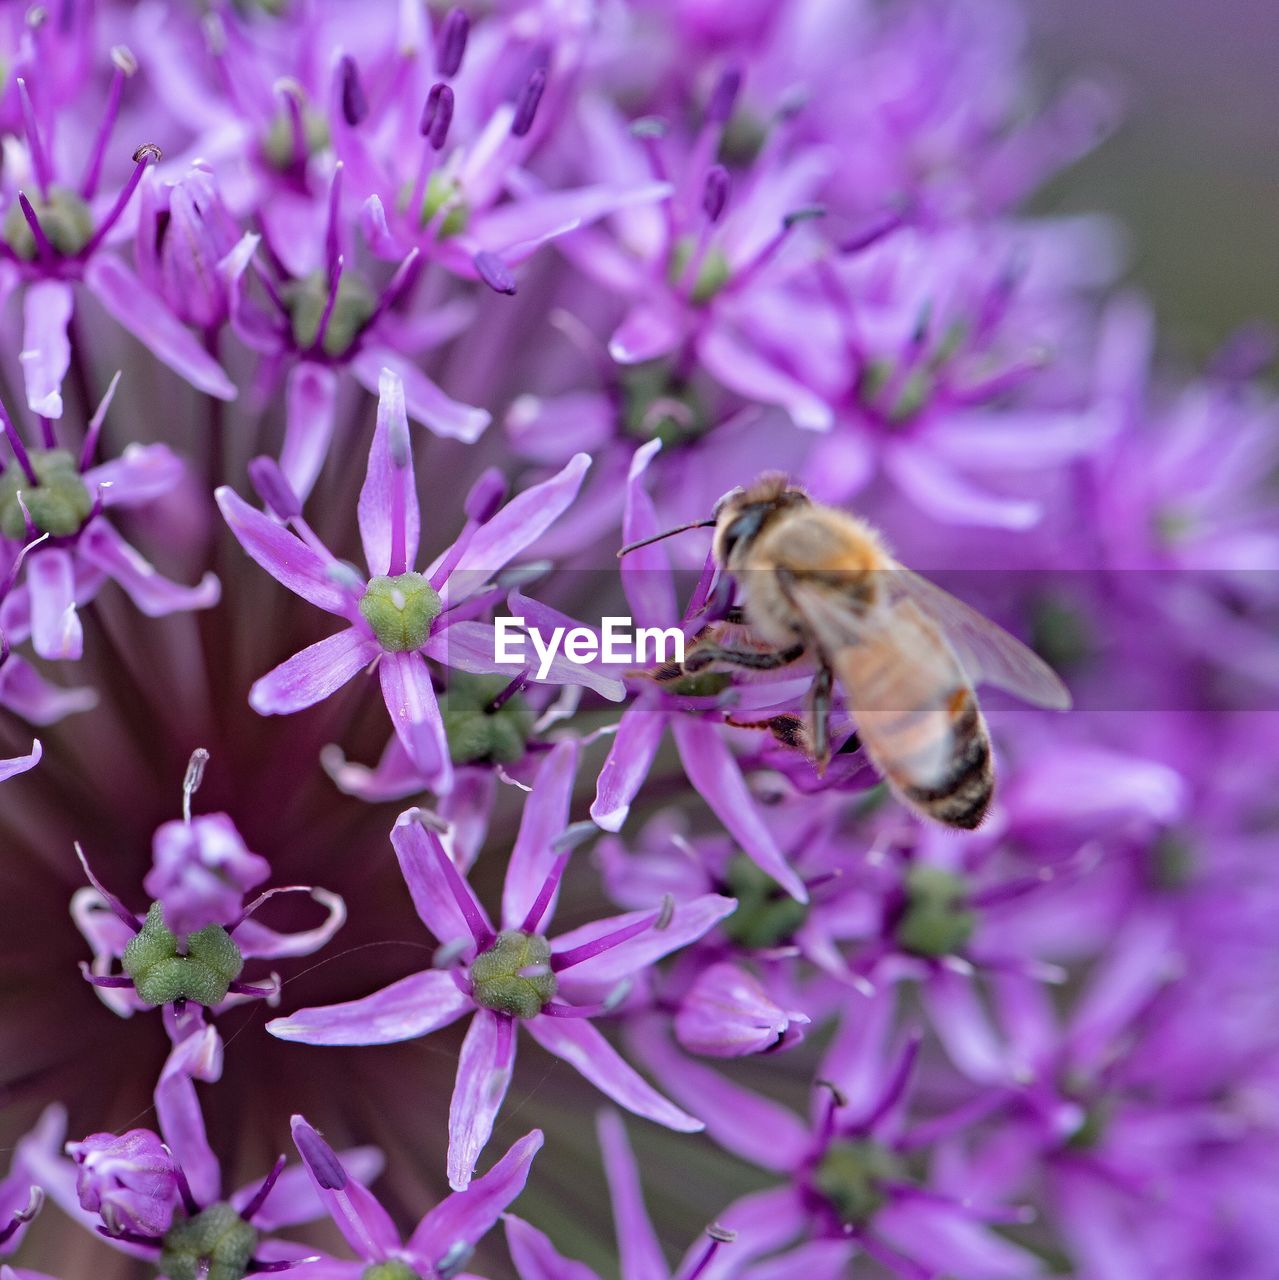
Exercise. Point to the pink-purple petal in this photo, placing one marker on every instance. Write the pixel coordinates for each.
(390, 471)
(483, 1077)
(46, 350)
(55, 627)
(310, 409)
(415, 714)
(585, 1049)
(153, 593)
(630, 756)
(313, 674)
(545, 817)
(413, 1006)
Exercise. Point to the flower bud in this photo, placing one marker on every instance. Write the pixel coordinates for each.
(728, 1014)
(129, 1180)
(200, 872)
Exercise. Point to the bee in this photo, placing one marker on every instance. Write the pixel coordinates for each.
(816, 581)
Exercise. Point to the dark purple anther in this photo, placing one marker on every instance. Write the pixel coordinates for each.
(723, 97)
(526, 103)
(355, 106)
(320, 1158)
(453, 34)
(486, 496)
(715, 191)
(494, 272)
(437, 115)
(273, 488)
(806, 213)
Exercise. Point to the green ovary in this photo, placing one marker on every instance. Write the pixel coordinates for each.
(936, 921)
(400, 610)
(277, 143)
(393, 1270)
(307, 299)
(64, 218)
(161, 974)
(59, 504)
(766, 914)
(713, 273)
(216, 1244)
(501, 976)
(439, 192)
(477, 733)
(849, 1177)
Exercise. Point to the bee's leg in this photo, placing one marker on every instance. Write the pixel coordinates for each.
(821, 717)
(751, 659)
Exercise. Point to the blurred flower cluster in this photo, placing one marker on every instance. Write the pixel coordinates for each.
(333, 333)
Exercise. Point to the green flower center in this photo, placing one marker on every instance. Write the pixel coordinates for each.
(653, 408)
(850, 1176)
(712, 274)
(400, 610)
(217, 1243)
(306, 300)
(476, 731)
(64, 218)
(59, 504)
(514, 975)
(277, 142)
(441, 191)
(161, 974)
(393, 1270)
(936, 921)
(766, 914)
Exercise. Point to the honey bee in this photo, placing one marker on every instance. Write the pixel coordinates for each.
(813, 580)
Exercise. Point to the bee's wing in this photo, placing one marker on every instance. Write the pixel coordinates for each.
(900, 678)
(988, 653)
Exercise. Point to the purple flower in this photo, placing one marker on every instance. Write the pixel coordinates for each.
(638, 1246)
(516, 975)
(445, 1236)
(128, 1181)
(189, 1228)
(54, 236)
(197, 932)
(847, 1176)
(397, 616)
(21, 1197)
(52, 505)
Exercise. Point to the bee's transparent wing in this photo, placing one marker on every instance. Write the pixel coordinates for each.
(988, 653)
(899, 676)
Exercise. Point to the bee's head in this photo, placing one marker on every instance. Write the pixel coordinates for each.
(741, 514)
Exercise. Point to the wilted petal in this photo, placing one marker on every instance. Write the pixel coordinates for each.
(46, 351)
(309, 415)
(585, 1049)
(133, 306)
(311, 675)
(483, 1077)
(257, 941)
(413, 1006)
(468, 1215)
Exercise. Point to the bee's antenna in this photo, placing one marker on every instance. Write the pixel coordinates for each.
(657, 537)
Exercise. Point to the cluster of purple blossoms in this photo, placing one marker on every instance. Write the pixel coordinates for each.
(481, 296)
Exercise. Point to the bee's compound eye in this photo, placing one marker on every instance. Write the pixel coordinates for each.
(719, 506)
